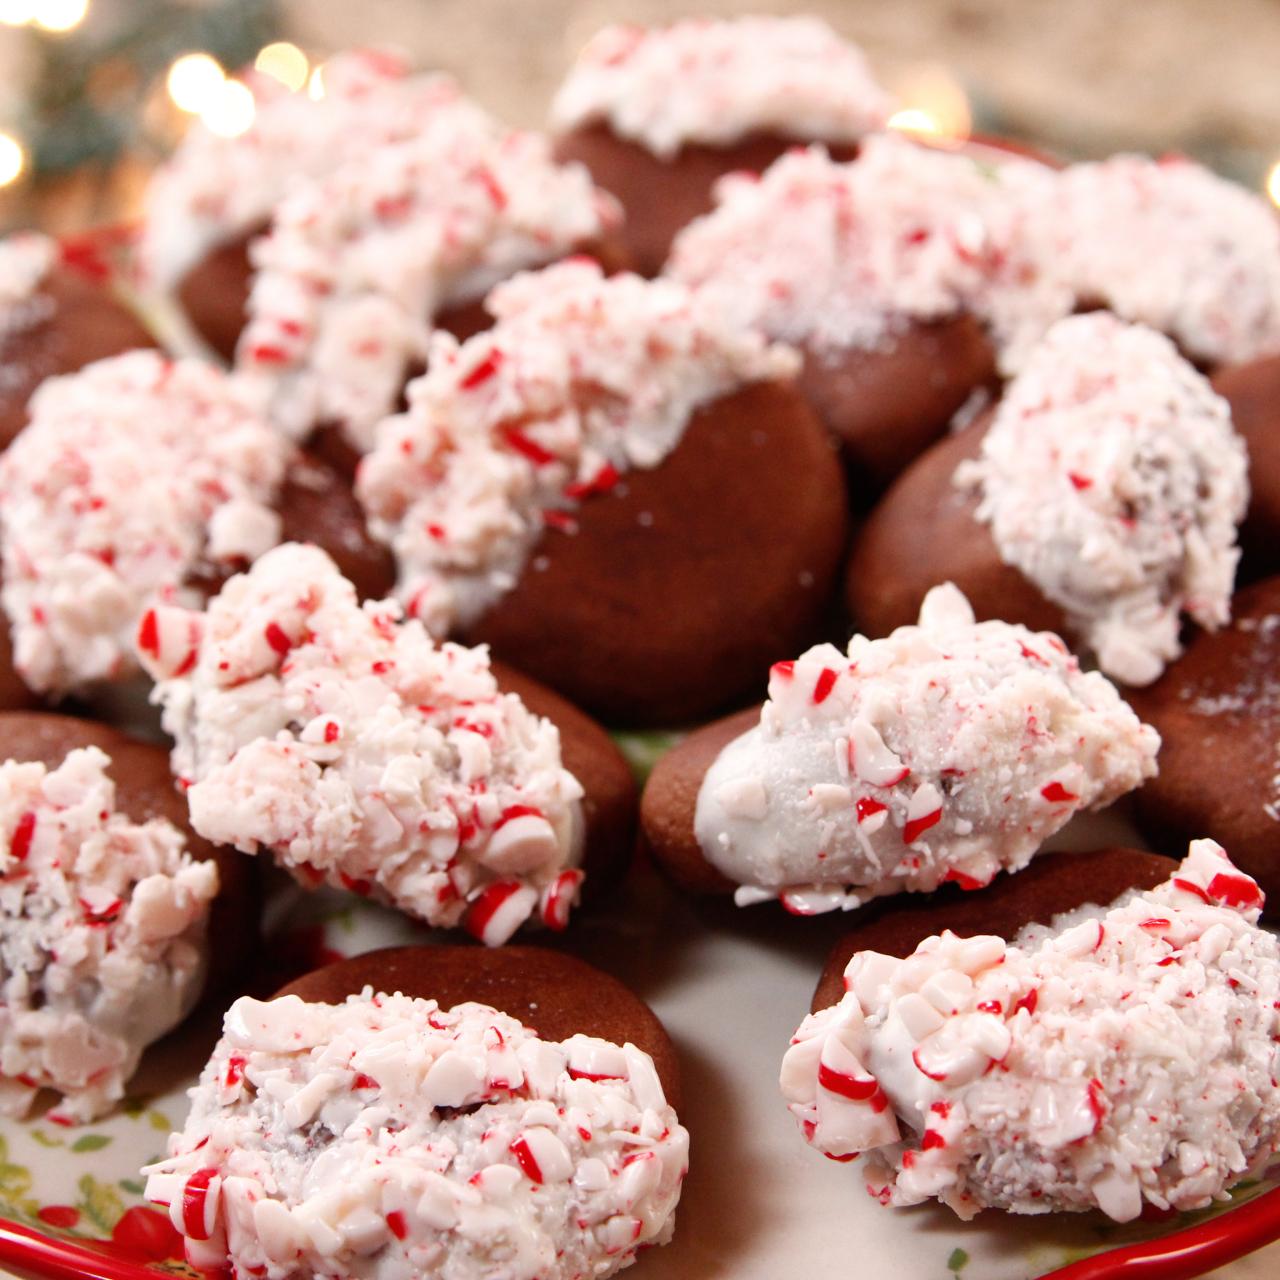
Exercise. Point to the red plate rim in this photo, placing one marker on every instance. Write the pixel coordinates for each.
(1181, 1255)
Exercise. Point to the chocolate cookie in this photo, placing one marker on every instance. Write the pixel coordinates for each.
(925, 531)
(609, 799)
(1100, 499)
(670, 800)
(888, 404)
(661, 195)
(1253, 391)
(555, 994)
(1053, 883)
(80, 322)
(145, 790)
(685, 581)
(880, 770)
(1218, 713)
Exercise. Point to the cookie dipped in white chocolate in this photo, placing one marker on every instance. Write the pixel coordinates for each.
(386, 1138)
(1121, 1056)
(358, 264)
(1112, 478)
(582, 379)
(715, 83)
(357, 752)
(134, 477)
(947, 751)
(102, 935)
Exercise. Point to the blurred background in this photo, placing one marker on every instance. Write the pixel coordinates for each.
(94, 92)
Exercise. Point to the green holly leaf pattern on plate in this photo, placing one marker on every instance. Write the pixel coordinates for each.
(15, 1186)
(90, 1142)
(957, 1262)
(100, 1203)
(39, 1135)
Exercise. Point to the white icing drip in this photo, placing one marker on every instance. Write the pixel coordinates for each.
(357, 264)
(132, 476)
(26, 258)
(1129, 1057)
(102, 948)
(836, 256)
(1112, 478)
(718, 82)
(950, 750)
(386, 1139)
(581, 379)
(1171, 245)
(214, 189)
(359, 753)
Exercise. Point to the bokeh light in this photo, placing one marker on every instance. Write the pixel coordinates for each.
(230, 113)
(13, 159)
(59, 15)
(195, 81)
(284, 62)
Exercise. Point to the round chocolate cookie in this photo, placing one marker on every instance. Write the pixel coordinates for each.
(555, 994)
(1218, 713)
(670, 801)
(1253, 391)
(83, 322)
(886, 405)
(1053, 883)
(609, 789)
(145, 790)
(924, 531)
(660, 196)
(686, 580)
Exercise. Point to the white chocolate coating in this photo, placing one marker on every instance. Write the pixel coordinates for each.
(26, 258)
(844, 256)
(1113, 479)
(950, 750)
(386, 1138)
(358, 264)
(1121, 1057)
(213, 190)
(716, 83)
(133, 476)
(1168, 244)
(103, 945)
(601, 375)
(357, 752)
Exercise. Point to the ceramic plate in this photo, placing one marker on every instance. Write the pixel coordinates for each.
(731, 987)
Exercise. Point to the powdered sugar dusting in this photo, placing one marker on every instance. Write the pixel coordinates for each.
(357, 264)
(837, 256)
(132, 476)
(357, 752)
(388, 1138)
(1112, 478)
(26, 258)
(103, 945)
(1126, 1058)
(1171, 245)
(215, 189)
(947, 751)
(581, 379)
(715, 83)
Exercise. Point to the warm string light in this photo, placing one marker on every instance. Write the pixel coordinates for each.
(200, 87)
(284, 62)
(1273, 183)
(934, 106)
(13, 159)
(49, 15)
